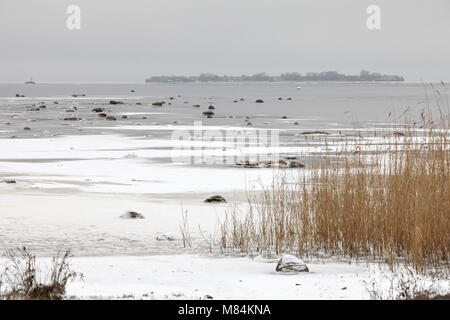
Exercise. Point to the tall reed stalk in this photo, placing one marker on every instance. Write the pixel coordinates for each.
(391, 205)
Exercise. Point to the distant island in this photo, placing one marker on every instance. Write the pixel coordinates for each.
(284, 77)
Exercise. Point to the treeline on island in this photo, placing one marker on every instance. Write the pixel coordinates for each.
(284, 77)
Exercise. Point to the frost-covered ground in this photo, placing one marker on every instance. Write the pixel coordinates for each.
(195, 277)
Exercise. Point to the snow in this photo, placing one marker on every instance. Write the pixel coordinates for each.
(194, 276)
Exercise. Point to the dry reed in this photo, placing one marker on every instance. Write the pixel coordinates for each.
(391, 205)
(24, 279)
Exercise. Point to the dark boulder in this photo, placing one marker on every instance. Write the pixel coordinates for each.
(215, 199)
(115, 102)
(132, 215)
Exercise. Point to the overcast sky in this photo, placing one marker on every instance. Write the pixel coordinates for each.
(130, 40)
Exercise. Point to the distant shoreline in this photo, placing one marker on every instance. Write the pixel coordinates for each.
(326, 76)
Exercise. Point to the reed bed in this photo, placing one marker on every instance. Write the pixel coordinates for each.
(392, 206)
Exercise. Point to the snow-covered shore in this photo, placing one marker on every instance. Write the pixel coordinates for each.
(73, 179)
(197, 277)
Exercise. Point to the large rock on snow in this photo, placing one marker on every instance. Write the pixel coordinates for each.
(289, 263)
(132, 215)
(216, 199)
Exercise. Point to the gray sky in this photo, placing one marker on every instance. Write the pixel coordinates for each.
(131, 40)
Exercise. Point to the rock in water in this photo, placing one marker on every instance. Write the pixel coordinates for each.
(289, 263)
(259, 101)
(216, 199)
(208, 113)
(132, 215)
(115, 102)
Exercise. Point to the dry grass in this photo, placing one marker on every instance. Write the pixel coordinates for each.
(407, 284)
(389, 205)
(23, 279)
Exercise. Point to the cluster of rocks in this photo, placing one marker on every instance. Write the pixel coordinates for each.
(316, 132)
(72, 109)
(165, 237)
(100, 112)
(8, 181)
(288, 162)
(38, 108)
(208, 114)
